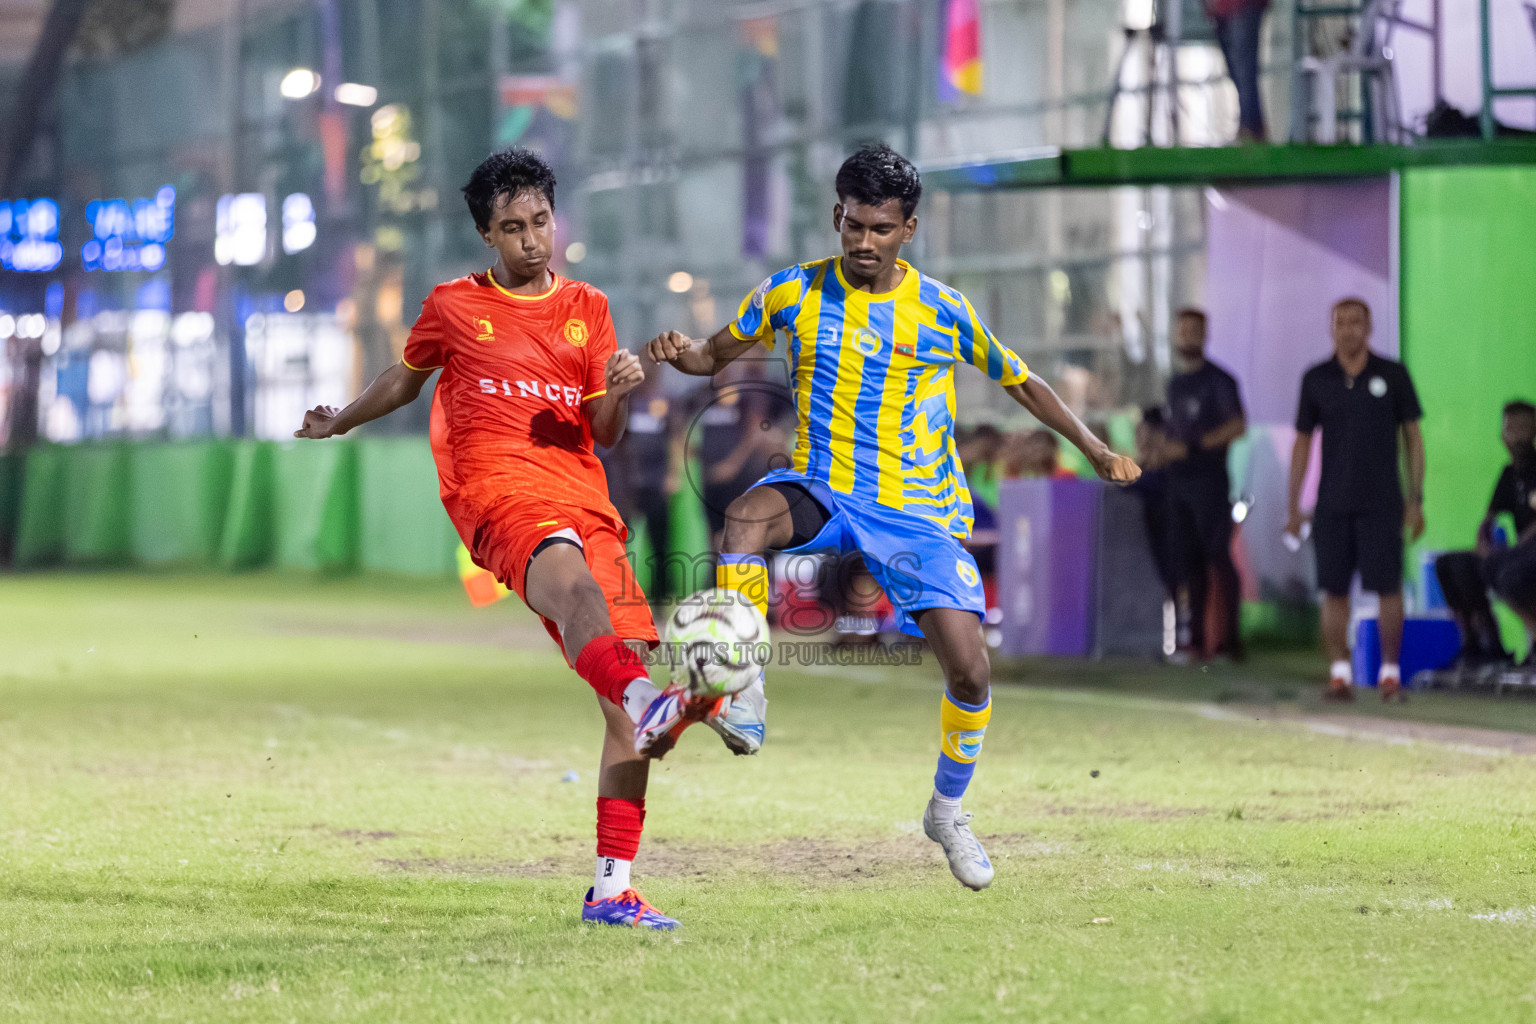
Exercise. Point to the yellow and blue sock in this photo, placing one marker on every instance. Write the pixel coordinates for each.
(961, 727)
(746, 574)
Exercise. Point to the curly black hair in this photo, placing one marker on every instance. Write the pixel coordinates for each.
(877, 173)
(507, 172)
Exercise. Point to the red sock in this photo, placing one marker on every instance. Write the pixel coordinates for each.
(609, 666)
(619, 823)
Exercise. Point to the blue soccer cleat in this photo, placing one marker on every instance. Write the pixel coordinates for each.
(664, 720)
(742, 719)
(628, 908)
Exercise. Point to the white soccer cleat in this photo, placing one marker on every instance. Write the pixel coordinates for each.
(742, 719)
(967, 860)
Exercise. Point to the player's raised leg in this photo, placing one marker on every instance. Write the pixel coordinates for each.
(955, 638)
(754, 523)
(560, 586)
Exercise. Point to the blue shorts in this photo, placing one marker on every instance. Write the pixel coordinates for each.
(918, 563)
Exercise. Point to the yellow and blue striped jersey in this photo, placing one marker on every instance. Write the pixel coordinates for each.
(873, 380)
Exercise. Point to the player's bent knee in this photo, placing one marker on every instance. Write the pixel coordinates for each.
(971, 682)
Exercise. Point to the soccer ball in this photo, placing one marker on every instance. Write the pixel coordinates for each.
(717, 642)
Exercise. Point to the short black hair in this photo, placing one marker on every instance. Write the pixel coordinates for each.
(1520, 407)
(877, 173)
(1194, 313)
(507, 172)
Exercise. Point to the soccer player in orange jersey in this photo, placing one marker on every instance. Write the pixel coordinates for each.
(531, 377)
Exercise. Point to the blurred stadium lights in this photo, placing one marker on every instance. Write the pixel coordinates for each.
(575, 252)
(354, 94)
(240, 231)
(299, 83)
(294, 300)
(298, 223)
(29, 235)
(129, 236)
(680, 282)
(7, 326)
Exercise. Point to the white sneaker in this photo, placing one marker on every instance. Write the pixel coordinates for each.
(967, 860)
(742, 719)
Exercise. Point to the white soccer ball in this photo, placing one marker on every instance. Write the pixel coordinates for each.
(717, 642)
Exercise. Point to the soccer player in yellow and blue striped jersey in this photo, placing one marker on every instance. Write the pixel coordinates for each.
(872, 347)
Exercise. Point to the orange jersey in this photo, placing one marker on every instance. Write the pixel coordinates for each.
(508, 418)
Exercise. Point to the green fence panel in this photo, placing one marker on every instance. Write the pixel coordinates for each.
(402, 526)
(40, 519)
(689, 527)
(314, 490)
(96, 504)
(1467, 262)
(246, 541)
(179, 494)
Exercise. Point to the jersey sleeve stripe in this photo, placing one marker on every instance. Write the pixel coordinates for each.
(418, 369)
(596, 394)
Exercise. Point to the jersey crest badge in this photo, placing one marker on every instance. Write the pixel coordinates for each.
(866, 341)
(575, 331)
(487, 332)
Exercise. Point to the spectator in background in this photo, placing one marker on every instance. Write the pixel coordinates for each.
(978, 449)
(644, 472)
(1363, 403)
(1462, 574)
(737, 434)
(1239, 27)
(1152, 487)
(1035, 453)
(1204, 414)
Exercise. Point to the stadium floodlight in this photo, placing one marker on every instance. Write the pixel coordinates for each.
(240, 229)
(299, 83)
(354, 94)
(7, 326)
(680, 282)
(298, 222)
(575, 252)
(294, 300)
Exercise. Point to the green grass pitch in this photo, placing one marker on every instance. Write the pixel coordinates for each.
(273, 799)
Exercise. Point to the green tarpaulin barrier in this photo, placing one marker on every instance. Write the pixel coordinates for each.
(402, 525)
(96, 504)
(1467, 333)
(246, 541)
(40, 520)
(314, 505)
(178, 495)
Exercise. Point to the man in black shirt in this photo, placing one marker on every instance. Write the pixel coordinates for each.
(1464, 575)
(1362, 402)
(1204, 415)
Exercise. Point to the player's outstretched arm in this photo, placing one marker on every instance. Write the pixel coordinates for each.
(1046, 406)
(399, 385)
(608, 412)
(701, 357)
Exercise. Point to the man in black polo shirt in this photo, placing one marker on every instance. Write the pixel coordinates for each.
(1464, 576)
(1204, 415)
(1362, 402)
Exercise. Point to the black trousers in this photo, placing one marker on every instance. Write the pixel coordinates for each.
(1201, 521)
(1464, 582)
(651, 505)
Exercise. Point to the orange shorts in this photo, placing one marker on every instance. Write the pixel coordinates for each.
(508, 534)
